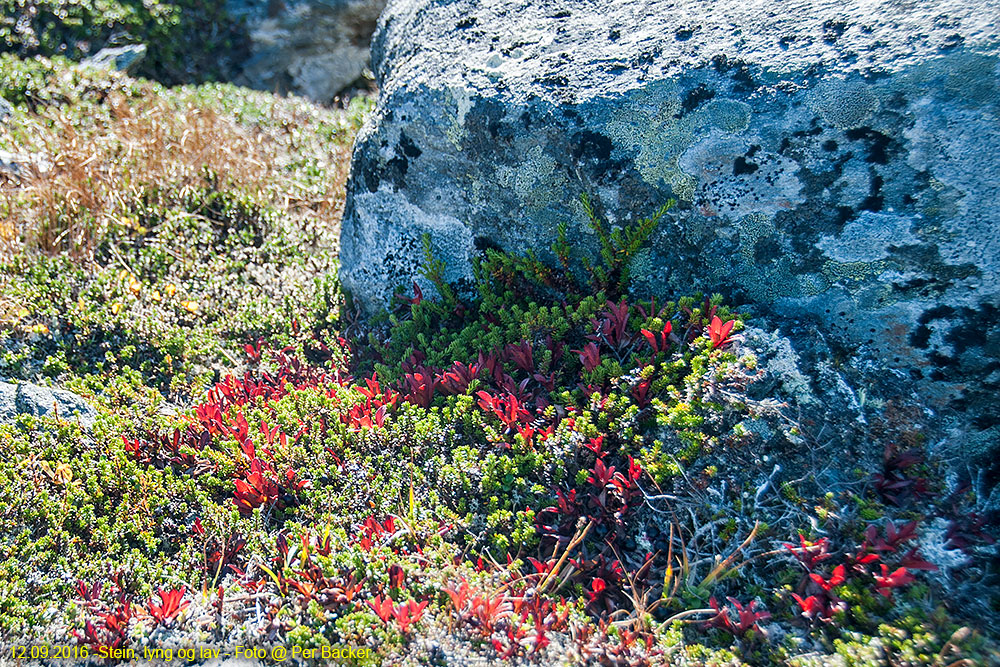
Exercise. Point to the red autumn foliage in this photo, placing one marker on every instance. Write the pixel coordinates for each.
(718, 332)
(111, 631)
(405, 614)
(456, 380)
(590, 356)
(256, 489)
(838, 577)
(894, 483)
(508, 410)
(612, 328)
(810, 553)
(818, 607)
(397, 576)
(372, 530)
(171, 604)
(521, 355)
(659, 341)
(887, 581)
(419, 388)
(747, 618)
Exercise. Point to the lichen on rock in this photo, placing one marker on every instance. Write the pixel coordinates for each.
(834, 164)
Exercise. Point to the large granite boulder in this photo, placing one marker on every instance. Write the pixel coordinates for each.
(314, 48)
(833, 161)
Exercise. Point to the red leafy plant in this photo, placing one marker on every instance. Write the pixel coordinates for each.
(822, 602)
(894, 483)
(256, 489)
(397, 576)
(171, 604)
(405, 614)
(111, 631)
(590, 356)
(747, 617)
(516, 621)
(372, 530)
(419, 387)
(160, 450)
(659, 341)
(809, 554)
(888, 581)
(260, 487)
(508, 409)
(521, 355)
(612, 328)
(456, 380)
(220, 558)
(718, 332)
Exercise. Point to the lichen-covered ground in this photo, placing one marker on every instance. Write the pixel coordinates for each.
(543, 470)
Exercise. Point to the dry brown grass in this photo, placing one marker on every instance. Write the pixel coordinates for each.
(84, 176)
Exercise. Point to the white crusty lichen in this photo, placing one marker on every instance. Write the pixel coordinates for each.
(934, 547)
(781, 362)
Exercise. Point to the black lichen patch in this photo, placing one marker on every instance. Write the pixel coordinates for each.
(483, 244)
(409, 148)
(646, 58)
(920, 336)
(874, 201)
(978, 328)
(696, 97)
(832, 31)
(741, 167)
(739, 72)
(879, 145)
(367, 170)
(766, 250)
(844, 213)
(952, 42)
(588, 145)
(684, 34)
(554, 80)
(395, 171)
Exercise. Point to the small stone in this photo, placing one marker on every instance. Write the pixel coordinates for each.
(41, 401)
(8, 401)
(313, 48)
(120, 58)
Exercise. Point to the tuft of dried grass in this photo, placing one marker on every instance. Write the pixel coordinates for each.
(80, 178)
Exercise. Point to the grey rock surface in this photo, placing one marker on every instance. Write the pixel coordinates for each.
(834, 162)
(8, 401)
(21, 164)
(120, 58)
(314, 48)
(6, 110)
(41, 401)
(10, 163)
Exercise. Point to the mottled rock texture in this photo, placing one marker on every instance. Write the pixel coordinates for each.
(41, 401)
(833, 161)
(122, 58)
(314, 48)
